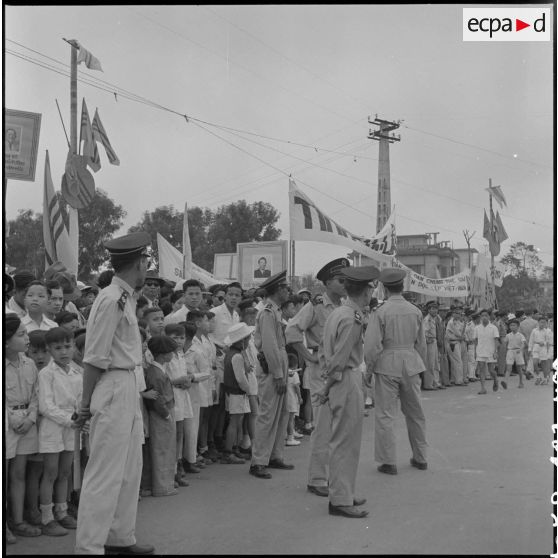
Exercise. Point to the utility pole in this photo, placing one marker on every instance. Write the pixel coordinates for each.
(384, 136)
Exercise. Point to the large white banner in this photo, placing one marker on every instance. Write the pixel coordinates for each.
(171, 265)
(308, 222)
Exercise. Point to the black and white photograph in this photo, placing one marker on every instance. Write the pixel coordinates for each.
(279, 279)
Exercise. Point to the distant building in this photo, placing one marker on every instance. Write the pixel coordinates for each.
(467, 258)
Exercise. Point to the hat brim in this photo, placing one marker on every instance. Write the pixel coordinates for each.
(228, 341)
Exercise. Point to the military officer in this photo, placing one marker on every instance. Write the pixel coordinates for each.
(342, 392)
(109, 494)
(310, 321)
(395, 351)
(271, 422)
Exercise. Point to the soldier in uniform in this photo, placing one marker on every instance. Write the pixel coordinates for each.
(342, 392)
(310, 321)
(271, 422)
(395, 350)
(109, 494)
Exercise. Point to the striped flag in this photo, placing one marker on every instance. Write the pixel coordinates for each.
(99, 134)
(90, 151)
(90, 61)
(60, 232)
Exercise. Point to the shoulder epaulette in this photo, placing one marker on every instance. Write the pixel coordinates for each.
(358, 317)
(268, 306)
(122, 300)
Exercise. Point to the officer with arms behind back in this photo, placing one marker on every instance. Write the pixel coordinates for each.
(109, 494)
(343, 356)
(395, 350)
(271, 422)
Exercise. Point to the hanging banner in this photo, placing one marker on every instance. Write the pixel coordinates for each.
(454, 286)
(21, 140)
(171, 265)
(308, 222)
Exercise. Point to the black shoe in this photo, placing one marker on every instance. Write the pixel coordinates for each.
(278, 464)
(359, 501)
(144, 549)
(418, 464)
(318, 490)
(260, 471)
(347, 511)
(388, 469)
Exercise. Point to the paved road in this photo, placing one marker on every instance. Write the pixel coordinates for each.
(487, 490)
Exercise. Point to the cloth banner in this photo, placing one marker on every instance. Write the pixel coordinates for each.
(171, 265)
(454, 286)
(308, 222)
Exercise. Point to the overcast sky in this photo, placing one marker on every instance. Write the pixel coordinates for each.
(307, 75)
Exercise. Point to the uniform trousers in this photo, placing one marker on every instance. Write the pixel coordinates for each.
(444, 367)
(319, 440)
(346, 405)
(432, 372)
(471, 361)
(271, 423)
(388, 390)
(456, 364)
(109, 494)
(464, 360)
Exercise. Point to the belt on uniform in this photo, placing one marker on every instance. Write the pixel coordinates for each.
(390, 347)
(124, 369)
(19, 407)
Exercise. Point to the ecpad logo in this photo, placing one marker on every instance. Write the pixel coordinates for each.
(506, 24)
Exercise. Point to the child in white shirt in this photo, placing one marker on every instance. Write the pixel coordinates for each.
(539, 343)
(294, 398)
(515, 343)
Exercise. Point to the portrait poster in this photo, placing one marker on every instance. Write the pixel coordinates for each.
(21, 141)
(258, 261)
(225, 266)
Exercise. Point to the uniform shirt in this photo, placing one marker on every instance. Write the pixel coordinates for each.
(310, 323)
(526, 326)
(394, 341)
(14, 307)
(455, 330)
(251, 359)
(31, 325)
(430, 328)
(21, 386)
(157, 379)
(502, 328)
(515, 341)
(470, 334)
(223, 321)
(269, 338)
(60, 392)
(486, 336)
(342, 339)
(113, 339)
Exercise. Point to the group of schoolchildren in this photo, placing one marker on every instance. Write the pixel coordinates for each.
(198, 397)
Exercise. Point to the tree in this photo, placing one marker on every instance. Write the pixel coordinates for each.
(518, 292)
(211, 232)
(521, 259)
(24, 243)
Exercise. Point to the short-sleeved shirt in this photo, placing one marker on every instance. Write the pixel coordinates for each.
(223, 321)
(31, 325)
(22, 386)
(526, 326)
(269, 338)
(486, 336)
(113, 339)
(15, 308)
(515, 341)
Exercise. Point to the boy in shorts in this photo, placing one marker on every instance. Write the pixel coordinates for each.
(487, 338)
(539, 342)
(515, 343)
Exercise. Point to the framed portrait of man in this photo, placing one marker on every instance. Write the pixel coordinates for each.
(21, 141)
(258, 261)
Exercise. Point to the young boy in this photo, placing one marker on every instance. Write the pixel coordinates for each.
(294, 398)
(21, 400)
(55, 299)
(515, 343)
(155, 320)
(35, 301)
(162, 428)
(539, 341)
(487, 338)
(60, 386)
(176, 370)
(67, 320)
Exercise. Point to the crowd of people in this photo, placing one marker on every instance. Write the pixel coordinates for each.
(153, 381)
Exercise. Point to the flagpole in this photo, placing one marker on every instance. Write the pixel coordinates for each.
(292, 260)
(491, 232)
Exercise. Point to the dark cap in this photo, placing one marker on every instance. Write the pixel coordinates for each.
(69, 286)
(276, 279)
(431, 303)
(360, 275)
(391, 276)
(22, 278)
(469, 311)
(128, 244)
(152, 275)
(332, 269)
(9, 283)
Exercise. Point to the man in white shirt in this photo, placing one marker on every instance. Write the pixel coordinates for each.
(488, 339)
(192, 300)
(16, 303)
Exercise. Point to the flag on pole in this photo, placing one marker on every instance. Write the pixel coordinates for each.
(186, 247)
(488, 233)
(497, 194)
(90, 151)
(99, 134)
(85, 56)
(60, 232)
(499, 230)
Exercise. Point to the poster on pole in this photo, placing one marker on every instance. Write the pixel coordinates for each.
(21, 141)
(257, 261)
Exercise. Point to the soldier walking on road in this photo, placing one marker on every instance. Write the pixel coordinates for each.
(395, 350)
(109, 495)
(272, 419)
(342, 392)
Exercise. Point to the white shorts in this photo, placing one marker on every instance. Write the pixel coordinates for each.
(485, 359)
(515, 356)
(54, 438)
(237, 404)
(21, 444)
(540, 353)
